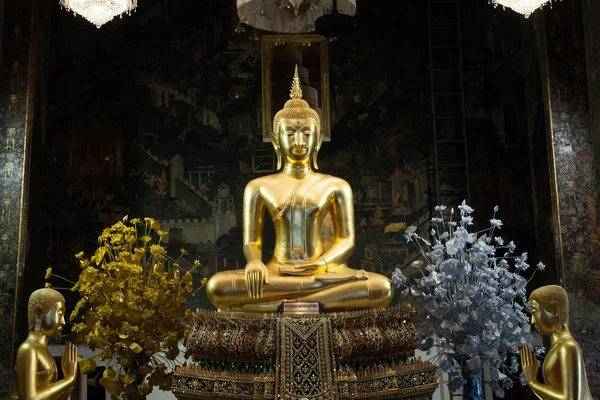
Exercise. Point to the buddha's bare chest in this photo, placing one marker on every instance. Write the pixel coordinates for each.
(293, 201)
(46, 368)
(551, 369)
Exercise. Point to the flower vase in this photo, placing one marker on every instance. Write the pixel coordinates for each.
(473, 385)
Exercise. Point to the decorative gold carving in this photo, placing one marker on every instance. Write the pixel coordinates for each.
(295, 107)
(301, 308)
(362, 354)
(305, 359)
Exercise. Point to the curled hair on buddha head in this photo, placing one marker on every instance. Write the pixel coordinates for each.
(40, 303)
(296, 107)
(554, 299)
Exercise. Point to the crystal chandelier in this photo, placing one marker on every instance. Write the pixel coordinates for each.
(99, 12)
(289, 16)
(525, 7)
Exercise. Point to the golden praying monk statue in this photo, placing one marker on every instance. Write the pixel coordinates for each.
(35, 366)
(297, 199)
(563, 368)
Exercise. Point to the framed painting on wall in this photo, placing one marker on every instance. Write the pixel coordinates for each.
(280, 55)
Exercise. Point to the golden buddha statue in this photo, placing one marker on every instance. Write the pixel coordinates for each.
(563, 368)
(297, 199)
(36, 370)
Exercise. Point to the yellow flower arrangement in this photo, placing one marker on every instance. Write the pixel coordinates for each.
(132, 308)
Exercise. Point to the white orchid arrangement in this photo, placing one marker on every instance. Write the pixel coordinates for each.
(473, 297)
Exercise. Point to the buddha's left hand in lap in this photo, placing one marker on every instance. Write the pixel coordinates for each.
(318, 270)
(345, 276)
(297, 199)
(303, 267)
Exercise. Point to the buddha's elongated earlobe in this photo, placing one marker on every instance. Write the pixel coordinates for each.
(276, 148)
(38, 325)
(317, 148)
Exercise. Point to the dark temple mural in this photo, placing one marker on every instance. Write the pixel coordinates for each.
(159, 114)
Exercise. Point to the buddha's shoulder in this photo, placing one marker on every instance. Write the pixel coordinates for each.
(275, 181)
(335, 180)
(29, 346)
(568, 344)
(336, 183)
(257, 183)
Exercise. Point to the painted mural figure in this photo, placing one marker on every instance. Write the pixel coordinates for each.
(5, 214)
(297, 199)
(563, 368)
(9, 168)
(11, 135)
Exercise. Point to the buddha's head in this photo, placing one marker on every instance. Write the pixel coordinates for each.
(549, 309)
(296, 133)
(46, 312)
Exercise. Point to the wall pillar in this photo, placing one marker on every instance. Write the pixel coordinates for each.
(591, 16)
(555, 36)
(24, 26)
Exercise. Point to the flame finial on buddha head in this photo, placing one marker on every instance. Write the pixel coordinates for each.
(295, 107)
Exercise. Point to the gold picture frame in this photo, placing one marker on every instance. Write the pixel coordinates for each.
(280, 53)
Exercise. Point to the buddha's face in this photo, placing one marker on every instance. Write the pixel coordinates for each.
(544, 321)
(297, 139)
(54, 320)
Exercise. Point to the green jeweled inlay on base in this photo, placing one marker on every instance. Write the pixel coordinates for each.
(388, 362)
(238, 366)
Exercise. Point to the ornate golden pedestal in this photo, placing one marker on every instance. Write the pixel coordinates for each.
(335, 356)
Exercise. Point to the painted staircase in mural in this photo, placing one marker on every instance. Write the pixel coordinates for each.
(451, 167)
(179, 186)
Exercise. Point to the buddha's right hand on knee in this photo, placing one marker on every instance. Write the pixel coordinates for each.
(256, 275)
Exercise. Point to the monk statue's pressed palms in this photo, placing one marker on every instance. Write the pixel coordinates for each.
(563, 368)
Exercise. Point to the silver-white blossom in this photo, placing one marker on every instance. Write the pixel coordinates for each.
(473, 297)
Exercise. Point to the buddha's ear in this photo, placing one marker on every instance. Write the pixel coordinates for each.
(554, 308)
(276, 147)
(38, 318)
(315, 162)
